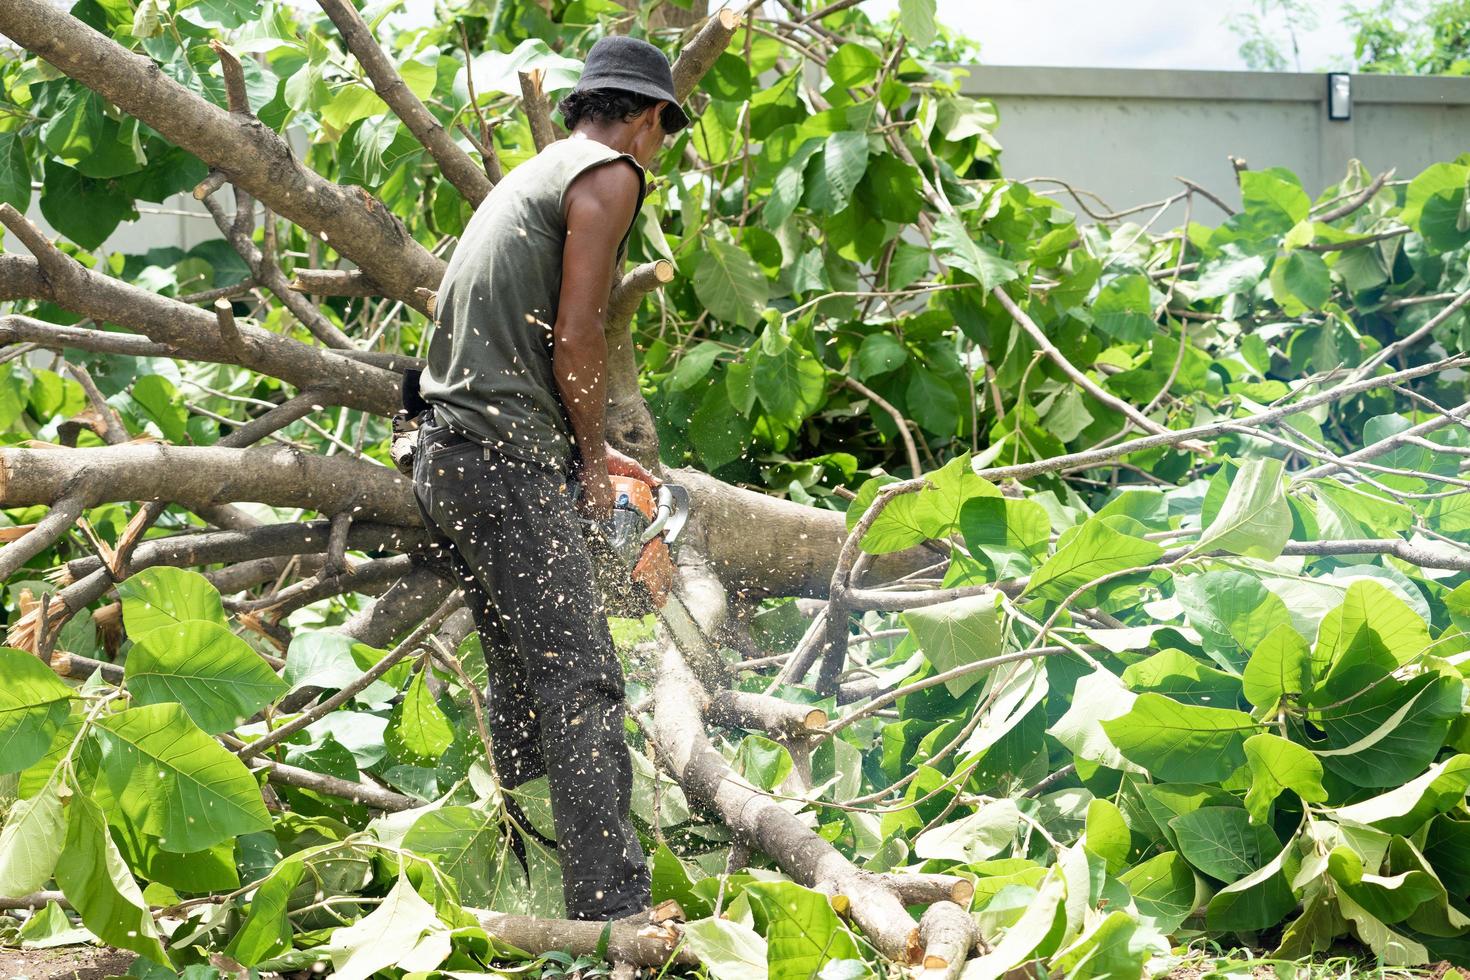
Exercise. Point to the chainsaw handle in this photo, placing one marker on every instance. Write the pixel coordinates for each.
(661, 516)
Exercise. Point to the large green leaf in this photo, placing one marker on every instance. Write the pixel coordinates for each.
(1280, 764)
(174, 782)
(1105, 950)
(1098, 697)
(15, 173)
(789, 382)
(1163, 888)
(83, 209)
(1181, 742)
(214, 674)
(1097, 550)
(802, 931)
(1434, 206)
(1373, 625)
(418, 731)
(468, 844)
(31, 842)
(1107, 834)
(957, 632)
(1405, 809)
(1280, 665)
(1010, 534)
(1259, 900)
(33, 706)
(1220, 841)
(916, 17)
(931, 512)
(95, 880)
(404, 931)
(267, 930)
(1386, 731)
(164, 595)
(958, 248)
(1255, 519)
(729, 950)
(729, 283)
(1124, 309)
(976, 837)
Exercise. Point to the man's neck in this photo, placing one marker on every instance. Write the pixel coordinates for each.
(615, 135)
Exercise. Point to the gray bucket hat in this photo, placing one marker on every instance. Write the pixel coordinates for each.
(632, 65)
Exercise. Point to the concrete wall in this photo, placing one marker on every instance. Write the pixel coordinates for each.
(1125, 134)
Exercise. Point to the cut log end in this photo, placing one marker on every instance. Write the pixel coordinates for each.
(962, 892)
(663, 270)
(729, 19)
(815, 721)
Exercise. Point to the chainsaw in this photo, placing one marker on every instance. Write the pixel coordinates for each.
(640, 515)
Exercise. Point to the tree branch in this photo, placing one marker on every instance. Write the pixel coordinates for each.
(537, 109)
(253, 156)
(454, 163)
(700, 54)
(902, 423)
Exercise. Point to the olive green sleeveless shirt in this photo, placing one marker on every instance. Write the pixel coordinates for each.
(489, 375)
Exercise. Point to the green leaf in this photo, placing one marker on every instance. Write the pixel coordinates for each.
(404, 931)
(34, 705)
(1098, 696)
(878, 354)
(1255, 519)
(1257, 901)
(174, 782)
(165, 596)
(729, 283)
(83, 209)
(468, 844)
(1095, 551)
(417, 730)
(762, 761)
(916, 17)
(1107, 834)
(1221, 842)
(1270, 193)
(1301, 276)
(1021, 941)
(853, 65)
(729, 950)
(1387, 730)
(932, 401)
(717, 430)
(75, 131)
(95, 880)
(1010, 535)
(1404, 810)
(1184, 678)
(976, 837)
(958, 248)
(790, 384)
(693, 366)
(1124, 309)
(351, 103)
(1434, 204)
(1280, 665)
(844, 161)
(31, 842)
(217, 678)
(1105, 950)
(267, 929)
(1181, 742)
(162, 403)
(1163, 888)
(1232, 610)
(957, 632)
(788, 187)
(802, 931)
(15, 173)
(1372, 624)
(1279, 764)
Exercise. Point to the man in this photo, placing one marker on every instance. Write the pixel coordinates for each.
(515, 381)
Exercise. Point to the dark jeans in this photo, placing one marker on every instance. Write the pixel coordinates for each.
(556, 686)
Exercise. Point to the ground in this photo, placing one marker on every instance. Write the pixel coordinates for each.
(64, 963)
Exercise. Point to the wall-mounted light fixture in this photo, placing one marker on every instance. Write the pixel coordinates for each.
(1339, 96)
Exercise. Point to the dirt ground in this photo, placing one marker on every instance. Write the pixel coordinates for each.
(64, 963)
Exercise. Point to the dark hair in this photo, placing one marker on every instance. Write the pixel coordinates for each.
(603, 105)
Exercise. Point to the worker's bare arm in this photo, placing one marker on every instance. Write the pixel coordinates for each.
(599, 208)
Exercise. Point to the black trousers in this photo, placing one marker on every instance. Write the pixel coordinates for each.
(556, 686)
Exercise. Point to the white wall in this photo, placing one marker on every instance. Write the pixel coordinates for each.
(1125, 134)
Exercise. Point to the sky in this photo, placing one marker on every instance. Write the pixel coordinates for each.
(1124, 33)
